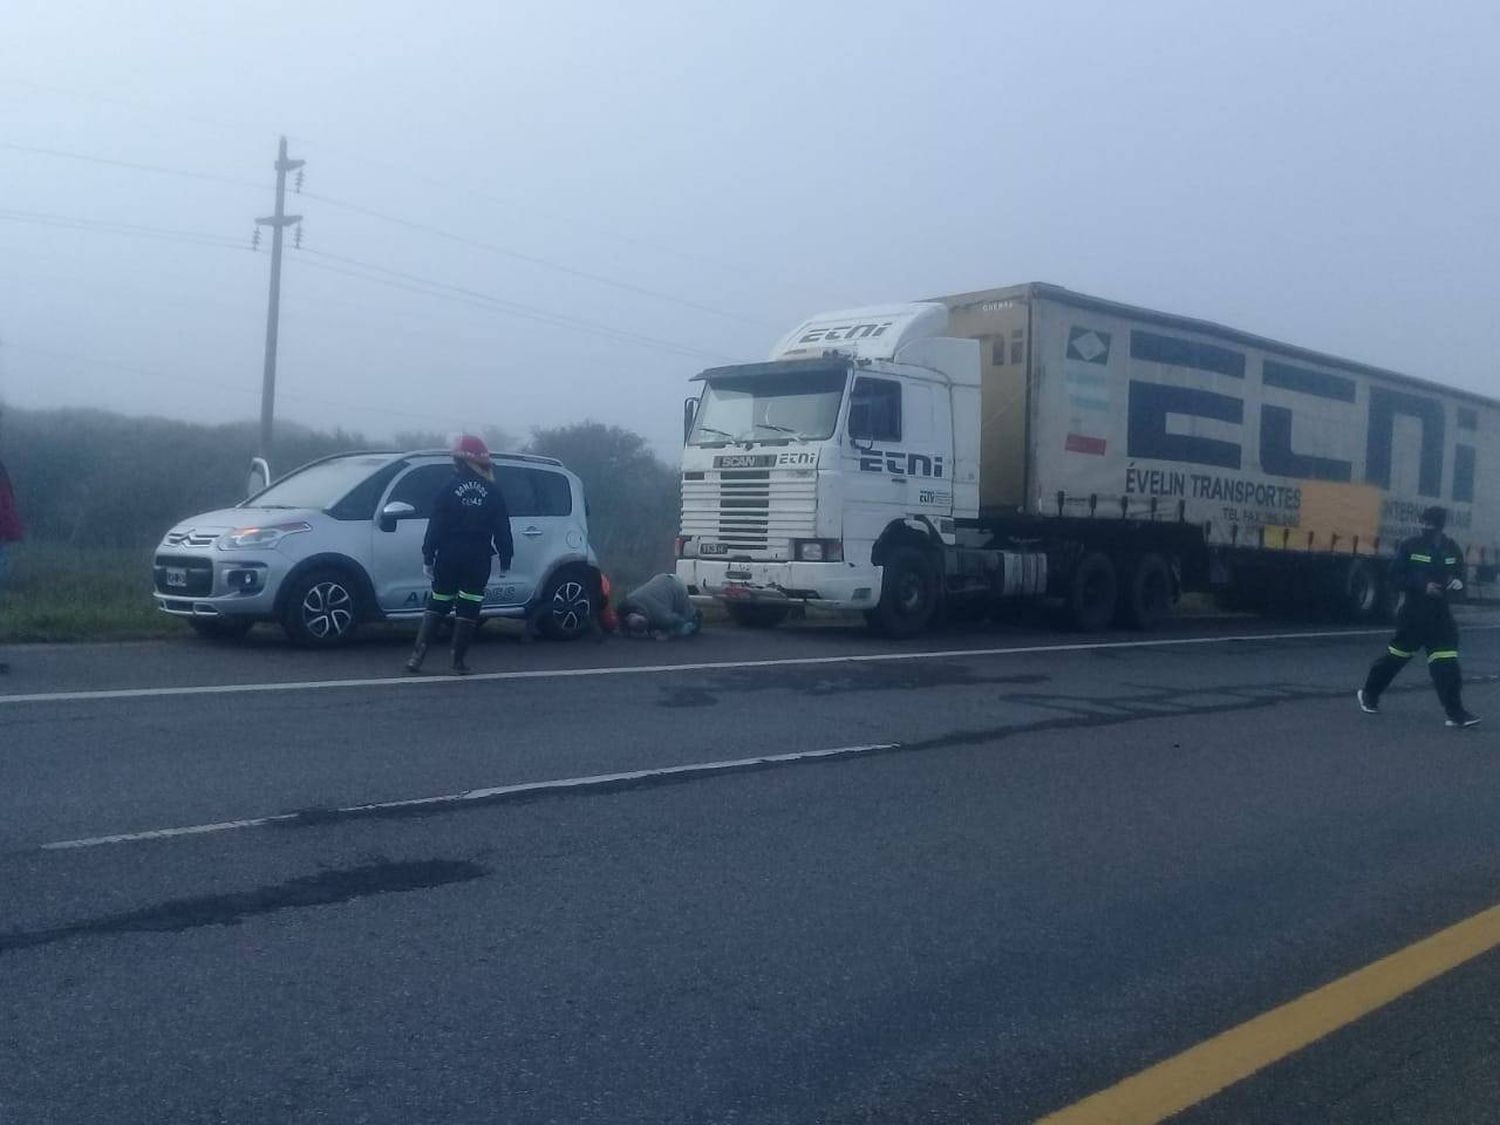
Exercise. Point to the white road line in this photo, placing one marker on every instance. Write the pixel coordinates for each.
(659, 669)
(488, 794)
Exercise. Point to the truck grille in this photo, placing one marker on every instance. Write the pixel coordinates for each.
(749, 510)
(183, 576)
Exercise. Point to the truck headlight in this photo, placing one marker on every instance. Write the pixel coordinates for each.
(818, 550)
(248, 538)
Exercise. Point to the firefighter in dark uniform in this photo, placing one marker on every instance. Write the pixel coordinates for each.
(1426, 570)
(469, 527)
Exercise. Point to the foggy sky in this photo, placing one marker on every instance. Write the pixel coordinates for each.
(1323, 173)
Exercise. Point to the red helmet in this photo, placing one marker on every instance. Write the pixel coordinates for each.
(472, 448)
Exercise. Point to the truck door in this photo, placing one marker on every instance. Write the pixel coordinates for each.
(926, 439)
(875, 487)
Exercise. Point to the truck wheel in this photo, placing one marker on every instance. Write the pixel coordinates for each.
(1091, 602)
(1146, 595)
(908, 594)
(754, 616)
(322, 609)
(1363, 593)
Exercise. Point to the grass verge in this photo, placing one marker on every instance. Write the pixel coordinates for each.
(56, 593)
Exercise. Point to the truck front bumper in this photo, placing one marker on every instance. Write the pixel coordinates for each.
(831, 585)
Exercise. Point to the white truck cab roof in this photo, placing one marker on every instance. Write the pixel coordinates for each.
(873, 333)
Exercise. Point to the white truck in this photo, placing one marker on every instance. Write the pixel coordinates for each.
(1031, 444)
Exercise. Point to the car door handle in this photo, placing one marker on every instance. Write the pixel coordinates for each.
(531, 532)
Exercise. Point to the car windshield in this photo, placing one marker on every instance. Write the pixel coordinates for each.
(801, 406)
(321, 485)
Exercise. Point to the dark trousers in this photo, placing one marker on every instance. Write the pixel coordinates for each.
(458, 583)
(1422, 623)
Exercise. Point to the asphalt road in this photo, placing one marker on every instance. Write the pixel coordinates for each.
(1064, 860)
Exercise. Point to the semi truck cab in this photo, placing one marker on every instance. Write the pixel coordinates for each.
(800, 474)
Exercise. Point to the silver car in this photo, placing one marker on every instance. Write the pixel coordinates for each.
(339, 542)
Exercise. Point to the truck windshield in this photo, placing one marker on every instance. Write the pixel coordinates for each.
(801, 406)
(319, 486)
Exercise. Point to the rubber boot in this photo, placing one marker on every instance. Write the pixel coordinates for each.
(463, 634)
(430, 623)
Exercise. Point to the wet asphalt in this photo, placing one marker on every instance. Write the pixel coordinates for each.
(1064, 866)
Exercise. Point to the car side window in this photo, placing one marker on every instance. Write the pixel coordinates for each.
(361, 501)
(875, 410)
(534, 492)
(420, 487)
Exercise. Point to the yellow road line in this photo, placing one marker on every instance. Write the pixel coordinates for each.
(1200, 1072)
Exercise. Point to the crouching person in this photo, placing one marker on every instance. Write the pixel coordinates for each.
(661, 608)
(470, 526)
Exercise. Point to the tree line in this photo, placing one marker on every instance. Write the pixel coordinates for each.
(92, 479)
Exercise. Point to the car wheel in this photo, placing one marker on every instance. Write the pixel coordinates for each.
(757, 616)
(322, 609)
(565, 610)
(908, 594)
(221, 628)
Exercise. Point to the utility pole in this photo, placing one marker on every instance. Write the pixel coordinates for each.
(277, 222)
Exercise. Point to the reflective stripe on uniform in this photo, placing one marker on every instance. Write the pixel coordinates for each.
(1421, 558)
(1450, 560)
(442, 597)
(471, 597)
(1394, 651)
(1443, 654)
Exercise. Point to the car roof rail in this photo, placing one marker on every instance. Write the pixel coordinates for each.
(530, 458)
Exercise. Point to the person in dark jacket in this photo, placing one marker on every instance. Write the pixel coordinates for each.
(1427, 568)
(469, 527)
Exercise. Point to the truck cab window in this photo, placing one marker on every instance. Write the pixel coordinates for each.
(875, 410)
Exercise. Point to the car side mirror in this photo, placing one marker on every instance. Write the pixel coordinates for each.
(393, 513)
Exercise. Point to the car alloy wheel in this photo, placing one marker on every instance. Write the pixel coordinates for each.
(327, 610)
(570, 606)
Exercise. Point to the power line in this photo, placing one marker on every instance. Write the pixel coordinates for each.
(193, 380)
(112, 226)
(532, 259)
(400, 279)
(187, 173)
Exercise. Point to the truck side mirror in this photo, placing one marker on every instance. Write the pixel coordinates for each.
(393, 513)
(689, 416)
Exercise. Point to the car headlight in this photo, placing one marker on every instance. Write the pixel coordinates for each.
(271, 535)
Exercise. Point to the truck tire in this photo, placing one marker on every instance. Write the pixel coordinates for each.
(1364, 597)
(757, 616)
(1091, 599)
(1145, 593)
(908, 594)
(322, 609)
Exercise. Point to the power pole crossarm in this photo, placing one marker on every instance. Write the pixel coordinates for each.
(278, 223)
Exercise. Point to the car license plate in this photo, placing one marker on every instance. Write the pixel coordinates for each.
(177, 576)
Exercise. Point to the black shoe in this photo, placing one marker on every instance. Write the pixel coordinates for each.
(1367, 705)
(1463, 719)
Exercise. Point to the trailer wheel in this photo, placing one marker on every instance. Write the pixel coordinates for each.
(908, 594)
(1363, 593)
(1146, 594)
(1091, 601)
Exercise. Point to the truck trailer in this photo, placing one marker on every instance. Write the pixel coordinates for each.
(1030, 445)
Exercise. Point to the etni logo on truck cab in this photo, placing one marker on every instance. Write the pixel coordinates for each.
(843, 332)
(901, 464)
